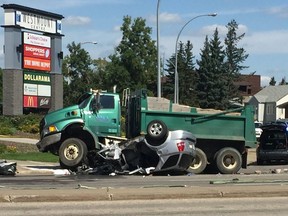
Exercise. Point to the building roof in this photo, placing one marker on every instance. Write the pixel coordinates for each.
(272, 93)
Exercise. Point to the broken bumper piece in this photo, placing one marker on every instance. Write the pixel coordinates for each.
(8, 168)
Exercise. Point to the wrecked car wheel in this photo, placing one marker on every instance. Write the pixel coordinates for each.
(72, 152)
(157, 132)
(200, 162)
(228, 161)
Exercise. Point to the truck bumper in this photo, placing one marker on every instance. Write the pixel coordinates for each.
(47, 141)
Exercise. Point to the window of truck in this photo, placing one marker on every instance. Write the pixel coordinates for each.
(106, 102)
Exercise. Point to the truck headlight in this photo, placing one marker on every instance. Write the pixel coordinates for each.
(50, 129)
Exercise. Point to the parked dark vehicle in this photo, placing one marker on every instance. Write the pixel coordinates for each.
(273, 144)
(282, 121)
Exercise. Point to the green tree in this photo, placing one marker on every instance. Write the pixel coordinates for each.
(168, 86)
(204, 75)
(272, 81)
(134, 64)
(186, 73)
(235, 56)
(187, 76)
(78, 73)
(283, 81)
(212, 89)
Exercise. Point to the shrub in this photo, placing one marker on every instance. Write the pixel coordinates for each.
(3, 148)
(11, 149)
(25, 123)
(4, 130)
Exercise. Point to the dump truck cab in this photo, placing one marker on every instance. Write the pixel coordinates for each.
(73, 131)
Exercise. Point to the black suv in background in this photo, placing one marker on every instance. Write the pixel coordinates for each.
(273, 143)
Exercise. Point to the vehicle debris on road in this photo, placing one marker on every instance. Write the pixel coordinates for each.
(8, 168)
(138, 156)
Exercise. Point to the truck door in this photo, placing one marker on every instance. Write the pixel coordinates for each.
(107, 120)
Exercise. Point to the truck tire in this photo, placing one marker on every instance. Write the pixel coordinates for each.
(72, 153)
(157, 132)
(228, 161)
(199, 163)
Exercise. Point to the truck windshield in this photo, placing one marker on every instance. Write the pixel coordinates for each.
(83, 100)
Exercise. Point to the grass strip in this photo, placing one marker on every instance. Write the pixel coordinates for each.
(29, 156)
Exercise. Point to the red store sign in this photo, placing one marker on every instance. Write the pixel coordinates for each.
(37, 52)
(30, 101)
(36, 64)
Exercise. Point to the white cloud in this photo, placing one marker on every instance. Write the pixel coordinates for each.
(266, 42)
(279, 11)
(165, 17)
(222, 30)
(117, 28)
(169, 17)
(209, 30)
(265, 80)
(76, 20)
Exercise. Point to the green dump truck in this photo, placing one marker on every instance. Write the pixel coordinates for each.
(222, 137)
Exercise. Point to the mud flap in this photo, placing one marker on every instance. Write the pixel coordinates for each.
(244, 158)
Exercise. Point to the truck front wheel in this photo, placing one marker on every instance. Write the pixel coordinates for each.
(72, 152)
(200, 162)
(228, 161)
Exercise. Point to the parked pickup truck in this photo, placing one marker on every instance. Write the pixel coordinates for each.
(222, 137)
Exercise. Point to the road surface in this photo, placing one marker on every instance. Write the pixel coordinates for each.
(276, 206)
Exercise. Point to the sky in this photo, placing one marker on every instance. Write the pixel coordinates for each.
(264, 22)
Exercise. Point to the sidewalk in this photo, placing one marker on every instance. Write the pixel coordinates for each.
(19, 140)
(125, 193)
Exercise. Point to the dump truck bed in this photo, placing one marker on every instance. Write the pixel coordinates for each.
(230, 125)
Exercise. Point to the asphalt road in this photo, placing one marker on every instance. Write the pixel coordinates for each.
(37, 188)
(43, 182)
(276, 206)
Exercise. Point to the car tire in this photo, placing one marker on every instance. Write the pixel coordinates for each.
(72, 153)
(228, 161)
(157, 132)
(199, 164)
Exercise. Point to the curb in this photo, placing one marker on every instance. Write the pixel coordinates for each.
(110, 194)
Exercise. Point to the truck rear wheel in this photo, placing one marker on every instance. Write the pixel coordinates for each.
(200, 162)
(228, 160)
(72, 153)
(157, 132)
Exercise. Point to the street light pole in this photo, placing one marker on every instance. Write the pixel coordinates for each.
(158, 55)
(176, 85)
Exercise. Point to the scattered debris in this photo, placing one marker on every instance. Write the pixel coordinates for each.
(8, 168)
(258, 172)
(276, 171)
(249, 181)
